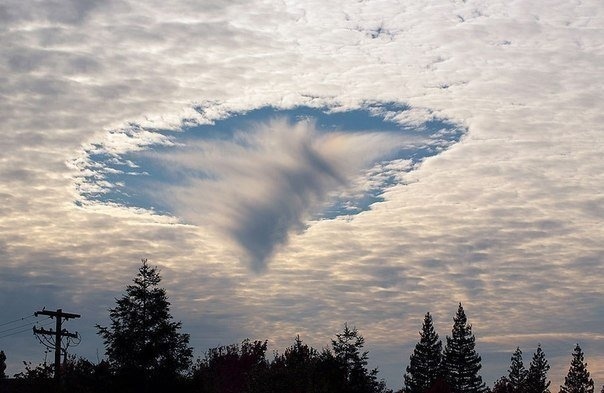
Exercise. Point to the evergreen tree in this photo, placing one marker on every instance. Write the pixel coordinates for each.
(577, 380)
(425, 363)
(502, 385)
(233, 369)
(347, 349)
(536, 381)
(461, 363)
(296, 369)
(2, 365)
(143, 341)
(517, 373)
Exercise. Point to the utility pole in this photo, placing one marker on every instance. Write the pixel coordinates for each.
(59, 332)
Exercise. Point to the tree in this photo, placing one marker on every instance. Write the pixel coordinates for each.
(516, 380)
(517, 373)
(425, 363)
(296, 369)
(461, 363)
(143, 341)
(347, 349)
(232, 369)
(2, 365)
(502, 385)
(577, 380)
(536, 381)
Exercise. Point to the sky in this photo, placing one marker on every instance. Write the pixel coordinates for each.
(291, 166)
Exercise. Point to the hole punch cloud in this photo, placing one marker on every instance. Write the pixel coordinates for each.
(258, 177)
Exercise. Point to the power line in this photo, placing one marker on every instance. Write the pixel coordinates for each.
(21, 326)
(17, 320)
(22, 331)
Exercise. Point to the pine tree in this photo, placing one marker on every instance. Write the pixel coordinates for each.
(2, 365)
(143, 341)
(502, 385)
(232, 369)
(347, 349)
(536, 381)
(425, 363)
(295, 370)
(461, 363)
(577, 380)
(517, 373)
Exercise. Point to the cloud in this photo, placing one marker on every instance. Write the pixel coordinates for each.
(508, 221)
(267, 181)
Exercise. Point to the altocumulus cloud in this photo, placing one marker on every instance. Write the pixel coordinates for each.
(258, 181)
(512, 210)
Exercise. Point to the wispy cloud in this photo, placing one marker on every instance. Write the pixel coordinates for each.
(268, 180)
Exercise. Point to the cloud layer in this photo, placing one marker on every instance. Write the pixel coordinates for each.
(507, 221)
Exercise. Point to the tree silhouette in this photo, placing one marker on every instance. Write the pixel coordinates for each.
(517, 373)
(143, 342)
(296, 369)
(461, 363)
(2, 365)
(233, 368)
(425, 363)
(347, 349)
(577, 380)
(502, 385)
(536, 381)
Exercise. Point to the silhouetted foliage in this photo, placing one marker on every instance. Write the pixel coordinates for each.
(440, 386)
(425, 363)
(577, 380)
(517, 373)
(142, 330)
(232, 368)
(461, 363)
(42, 371)
(82, 376)
(347, 349)
(2, 365)
(143, 344)
(296, 370)
(502, 385)
(536, 381)
(36, 379)
(78, 375)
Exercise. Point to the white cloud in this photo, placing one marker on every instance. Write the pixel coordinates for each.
(508, 221)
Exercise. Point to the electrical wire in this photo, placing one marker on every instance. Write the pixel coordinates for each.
(17, 332)
(21, 326)
(45, 341)
(17, 320)
(24, 330)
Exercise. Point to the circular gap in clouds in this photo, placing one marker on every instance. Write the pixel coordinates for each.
(129, 167)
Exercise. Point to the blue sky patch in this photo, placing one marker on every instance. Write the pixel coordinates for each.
(128, 179)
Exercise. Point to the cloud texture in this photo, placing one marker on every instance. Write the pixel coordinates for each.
(507, 221)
